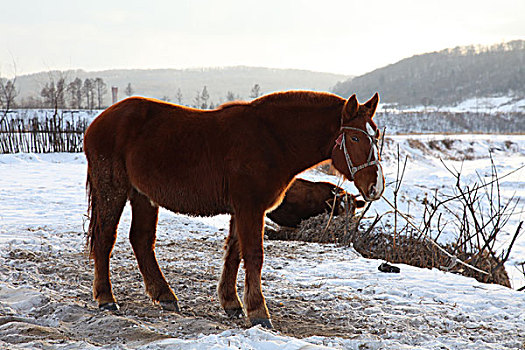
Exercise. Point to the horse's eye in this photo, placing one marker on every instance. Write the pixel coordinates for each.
(355, 139)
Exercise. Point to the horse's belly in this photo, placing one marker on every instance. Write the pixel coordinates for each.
(179, 185)
(197, 204)
(186, 198)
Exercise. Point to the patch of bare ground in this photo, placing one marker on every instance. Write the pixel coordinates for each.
(69, 314)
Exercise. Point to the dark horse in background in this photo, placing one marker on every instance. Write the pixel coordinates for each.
(305, 199)
(238, 159)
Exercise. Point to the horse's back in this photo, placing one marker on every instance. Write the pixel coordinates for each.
(177, 156)
(119, 124)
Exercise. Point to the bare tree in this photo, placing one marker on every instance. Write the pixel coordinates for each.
(197, 99)
(205, 96)
(230, 96)
(61, 93)
(48, 93)
(101, 90)
(75, 93)
(129, 90)
(54, 91)
(256, 91)
(88, 89)
(178, 96)
(8, 93)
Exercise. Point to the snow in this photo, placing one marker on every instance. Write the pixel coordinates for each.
(19, 299)
(42, 208)
(503, 104)
(484, 104)
(42, 114)
(253, 338)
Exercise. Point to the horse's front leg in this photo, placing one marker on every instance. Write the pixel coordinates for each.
(249, 228)
(227, 288)
(142, 236)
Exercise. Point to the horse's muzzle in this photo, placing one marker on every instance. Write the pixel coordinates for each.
(373, 193)
(376, 189)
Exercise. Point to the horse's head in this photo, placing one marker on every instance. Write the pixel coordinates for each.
(344, 202)
(356, 152)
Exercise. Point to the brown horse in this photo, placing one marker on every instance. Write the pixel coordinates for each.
(305, 199)
(237, 159)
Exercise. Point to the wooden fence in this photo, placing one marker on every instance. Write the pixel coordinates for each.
(42, 135)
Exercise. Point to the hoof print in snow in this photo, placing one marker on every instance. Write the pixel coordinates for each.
(109, 307)
(385, 267)
(170, 306)
(264, 322)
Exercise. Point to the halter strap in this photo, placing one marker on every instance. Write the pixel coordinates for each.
(342, 145)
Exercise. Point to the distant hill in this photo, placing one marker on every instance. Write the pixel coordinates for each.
(164, 83)
(445, 77)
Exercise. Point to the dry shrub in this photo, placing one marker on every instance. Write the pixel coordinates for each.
(414, 143)
(441, 145)
(315, 230)
(448, 143)
(376, 244)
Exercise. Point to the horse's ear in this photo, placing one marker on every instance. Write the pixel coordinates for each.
(350, 109)
(372, 103)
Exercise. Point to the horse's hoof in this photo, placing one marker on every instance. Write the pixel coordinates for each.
(109, 307)
(235, 313)
(264, 322)
(170, 305)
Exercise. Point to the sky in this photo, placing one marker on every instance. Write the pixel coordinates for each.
(340, 36)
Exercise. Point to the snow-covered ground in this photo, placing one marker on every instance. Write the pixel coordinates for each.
(500, 104)
(495, 104)
(42, 207)
(43, 113)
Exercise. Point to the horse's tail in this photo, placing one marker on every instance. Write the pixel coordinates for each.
(92, 214)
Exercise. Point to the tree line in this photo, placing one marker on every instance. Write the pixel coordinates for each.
(90, 93)
(202, 100)
(446, 77)
(57, 93)
(77, 94)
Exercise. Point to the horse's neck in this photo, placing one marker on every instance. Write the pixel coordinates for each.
(309, 139)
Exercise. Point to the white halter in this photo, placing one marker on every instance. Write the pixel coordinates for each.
(354, 169)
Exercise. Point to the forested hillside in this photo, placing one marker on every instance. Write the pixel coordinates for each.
(445, 77)
(184, 86)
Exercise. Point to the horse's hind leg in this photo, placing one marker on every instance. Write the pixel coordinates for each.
(142, 238)
(227, 288)
(107, 203)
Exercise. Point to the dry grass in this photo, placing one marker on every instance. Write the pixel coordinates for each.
(377, 244)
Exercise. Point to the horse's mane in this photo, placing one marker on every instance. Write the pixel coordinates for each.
(299, 97)
(231, 104)
(292, 98)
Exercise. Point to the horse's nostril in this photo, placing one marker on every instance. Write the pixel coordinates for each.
(372, 191)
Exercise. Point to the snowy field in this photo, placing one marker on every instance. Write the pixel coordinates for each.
(497, 104)
(319, 295)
